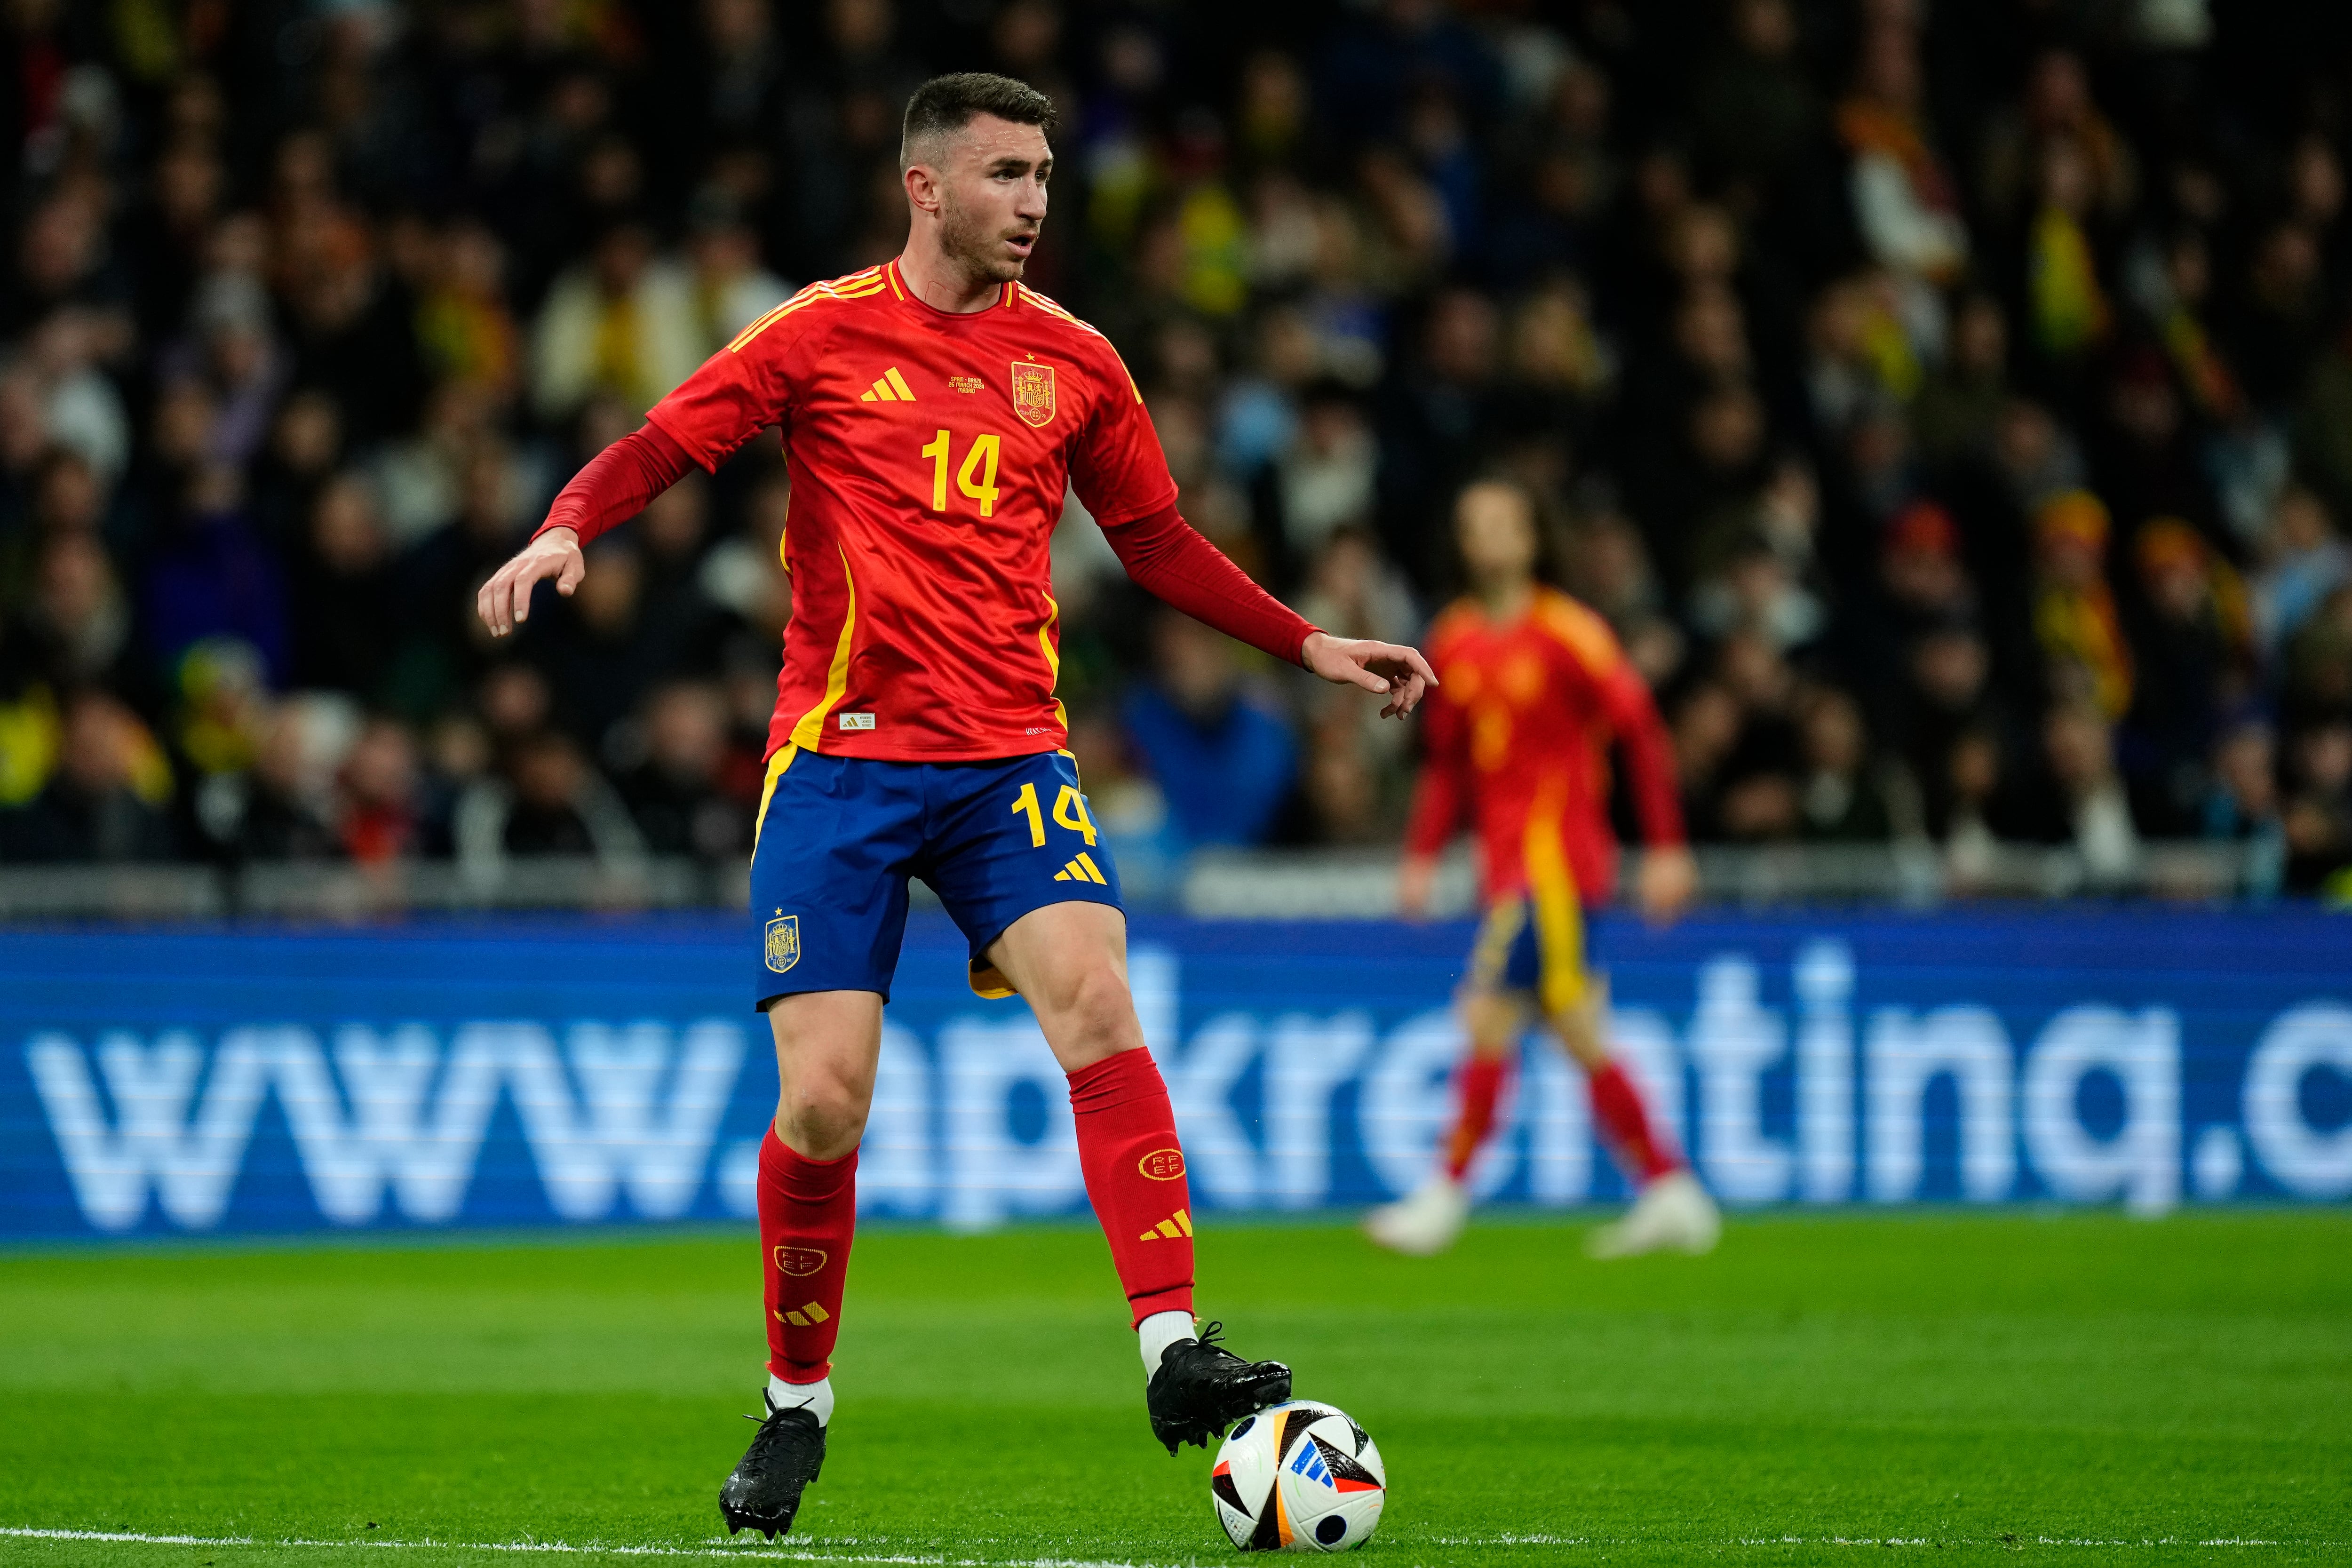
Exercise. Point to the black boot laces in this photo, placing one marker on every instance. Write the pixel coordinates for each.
(776, 1432)
(1216, 1354)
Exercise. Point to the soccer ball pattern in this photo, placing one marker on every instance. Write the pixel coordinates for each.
(1299, 1477)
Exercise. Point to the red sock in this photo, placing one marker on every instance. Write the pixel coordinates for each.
(1135, 1178)
(1476, 1088)
(808, 1213)
(1617, 1106)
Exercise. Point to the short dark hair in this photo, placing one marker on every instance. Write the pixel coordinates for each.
(946, 104)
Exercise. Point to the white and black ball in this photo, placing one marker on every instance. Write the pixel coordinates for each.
(1299, 1477)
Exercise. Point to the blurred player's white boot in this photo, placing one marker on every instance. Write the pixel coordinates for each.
(1674, 1214)
(1424, 1223)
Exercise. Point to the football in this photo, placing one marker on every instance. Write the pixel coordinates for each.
(1300, 1477)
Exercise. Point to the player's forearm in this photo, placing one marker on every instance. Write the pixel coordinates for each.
(1167, 556)
(1649, 755)
(1436, 814)
(1649, 776)
(1661, 815)
(617, 483)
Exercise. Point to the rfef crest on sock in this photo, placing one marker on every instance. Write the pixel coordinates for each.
(808, 1215)
(1134, 1168)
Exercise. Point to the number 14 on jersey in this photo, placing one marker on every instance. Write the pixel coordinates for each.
(976, 479)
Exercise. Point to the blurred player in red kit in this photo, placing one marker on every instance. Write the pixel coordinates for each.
(935, 413)
(1516, 748)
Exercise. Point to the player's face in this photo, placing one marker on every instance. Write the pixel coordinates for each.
(1497, 535)
(993, 196)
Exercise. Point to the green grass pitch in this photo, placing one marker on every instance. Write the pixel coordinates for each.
(2079, 1389)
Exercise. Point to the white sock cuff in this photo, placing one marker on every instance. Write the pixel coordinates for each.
(816, 1396)
(1158, 1332)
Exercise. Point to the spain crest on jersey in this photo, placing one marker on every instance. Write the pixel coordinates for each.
(1033, 393)
(783, 943)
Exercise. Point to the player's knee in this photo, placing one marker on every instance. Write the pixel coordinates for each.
(1494, 1020)
(1092, 1013)
(1578, 1025)
(822, 1117)
(1104, 1006)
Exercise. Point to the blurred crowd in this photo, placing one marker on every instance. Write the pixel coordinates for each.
(1949, 405)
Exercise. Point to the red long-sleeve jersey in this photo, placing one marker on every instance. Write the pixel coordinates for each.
(1517, 738)
(930, 454)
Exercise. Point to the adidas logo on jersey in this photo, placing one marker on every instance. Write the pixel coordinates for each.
(1168, 1229)
(1082, 869)
(888, 388)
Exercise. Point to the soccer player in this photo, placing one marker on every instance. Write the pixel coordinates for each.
(935, 412)
(1516, 741)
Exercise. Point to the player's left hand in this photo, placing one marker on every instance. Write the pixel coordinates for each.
(504, 602)
(1398, 673)
(1665, 883)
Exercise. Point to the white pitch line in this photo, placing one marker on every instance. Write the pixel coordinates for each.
(748, 1548)
(1881, 1541)
(1984, 1540)
(789, 1555)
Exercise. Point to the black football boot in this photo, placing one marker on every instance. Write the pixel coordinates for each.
(764, 1492)
(1201, 1388)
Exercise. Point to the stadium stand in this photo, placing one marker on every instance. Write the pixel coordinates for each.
(1971, 481)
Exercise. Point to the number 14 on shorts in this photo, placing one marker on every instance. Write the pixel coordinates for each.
(1070, 812)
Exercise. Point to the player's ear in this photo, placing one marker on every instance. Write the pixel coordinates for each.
(923, 187)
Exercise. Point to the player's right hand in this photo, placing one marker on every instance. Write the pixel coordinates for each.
(504, 602)
(1416, 882)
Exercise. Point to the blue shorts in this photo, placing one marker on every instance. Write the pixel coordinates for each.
(1534, 943)
(838, 836)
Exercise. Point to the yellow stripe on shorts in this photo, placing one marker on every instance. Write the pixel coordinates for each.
(1490, 955)
(1559, 919)
(776, 766)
